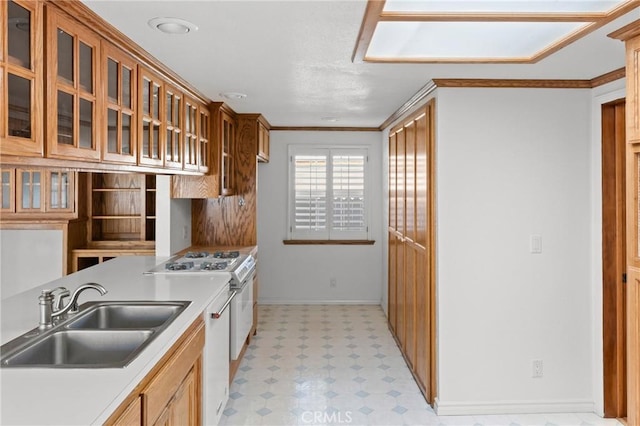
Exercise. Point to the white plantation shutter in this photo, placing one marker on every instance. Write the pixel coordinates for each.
(348, 192)
(328, 193)
(310, 192)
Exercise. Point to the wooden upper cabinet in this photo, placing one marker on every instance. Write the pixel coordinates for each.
(263, 142)
(191, 142)
(175, 124)
(151, 114)
(21, 68)
(73, 76)
(118, 135)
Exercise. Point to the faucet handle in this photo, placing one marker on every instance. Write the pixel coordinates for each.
(59, 298)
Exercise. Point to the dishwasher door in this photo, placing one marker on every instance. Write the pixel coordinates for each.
(216, 358)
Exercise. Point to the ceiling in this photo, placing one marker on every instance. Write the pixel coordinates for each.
(293, 58)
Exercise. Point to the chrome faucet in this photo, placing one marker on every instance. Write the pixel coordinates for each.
(49, 312)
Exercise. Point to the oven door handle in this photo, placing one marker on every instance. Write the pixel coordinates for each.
(217, 315)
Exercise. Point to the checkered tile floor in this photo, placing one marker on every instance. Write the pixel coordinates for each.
(339, 365)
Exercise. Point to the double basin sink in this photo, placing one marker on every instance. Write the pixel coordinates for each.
(101, 335)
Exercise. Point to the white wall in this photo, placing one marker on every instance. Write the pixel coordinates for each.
(29, 258)
(173, 219)
(512, 163)
(301, 273)
(600, 95)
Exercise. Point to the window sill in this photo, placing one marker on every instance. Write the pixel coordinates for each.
(330, 242)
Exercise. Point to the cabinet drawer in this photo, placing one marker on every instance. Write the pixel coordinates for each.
(164, 385)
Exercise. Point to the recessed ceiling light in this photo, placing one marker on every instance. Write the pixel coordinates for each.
(236, 96)
(172, 25)
(330, 119)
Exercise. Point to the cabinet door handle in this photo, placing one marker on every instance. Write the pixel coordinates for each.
(217, 315)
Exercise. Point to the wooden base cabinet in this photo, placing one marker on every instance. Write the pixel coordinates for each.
(172, 392)
(411, 245)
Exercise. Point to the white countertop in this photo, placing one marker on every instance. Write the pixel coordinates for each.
(41, 396)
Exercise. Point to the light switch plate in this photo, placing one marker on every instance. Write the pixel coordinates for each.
(536, 244)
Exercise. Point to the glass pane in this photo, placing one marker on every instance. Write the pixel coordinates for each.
(86, 124)
(65, 118)
(156, 101)
(187, 124)
(65, 56)
(225, 137)
(55, 189)
(169, 108)
(86, 67)
(19, 106)
(156, 142)
(36, 190)
(19, 35)
(176, 148)
(176, 112)
(64, 191)
(126, 134)
(126, 87)
(6, 190)
(146, 91)
(187, 149)
(145, 138)
(26, 190)
(112, 71)
(169, 145)
(112, 131)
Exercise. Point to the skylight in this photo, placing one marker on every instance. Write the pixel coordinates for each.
(478, 31)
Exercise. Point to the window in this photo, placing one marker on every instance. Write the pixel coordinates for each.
(328, 193)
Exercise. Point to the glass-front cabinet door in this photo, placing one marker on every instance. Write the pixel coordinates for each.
(21, 98)
(7, 190)
(29, 187)
(204, 136)
(72, 77)
(173, 123)
(151, 110)
(118, 126)
(60, 191)
(191, 143)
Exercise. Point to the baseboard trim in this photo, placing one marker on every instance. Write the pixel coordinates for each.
(453, 408)
(317, 302)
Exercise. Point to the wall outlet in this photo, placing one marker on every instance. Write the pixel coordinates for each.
(333, 283)
(536, 368)
(185, 232)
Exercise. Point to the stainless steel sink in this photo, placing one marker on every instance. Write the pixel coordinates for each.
(127, 315)
(101, 335)
(82, 348)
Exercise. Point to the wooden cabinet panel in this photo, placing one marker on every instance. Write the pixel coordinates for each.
(184, 407)
(132, 416)
(393, 282)
(165, 385)
(118, 135)
(21, 78)
(263, 143)
(73, 76)
(411, 252)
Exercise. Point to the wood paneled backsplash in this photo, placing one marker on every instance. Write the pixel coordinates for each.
(231, 221)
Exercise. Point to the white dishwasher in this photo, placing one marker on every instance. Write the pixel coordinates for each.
(216, 358)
